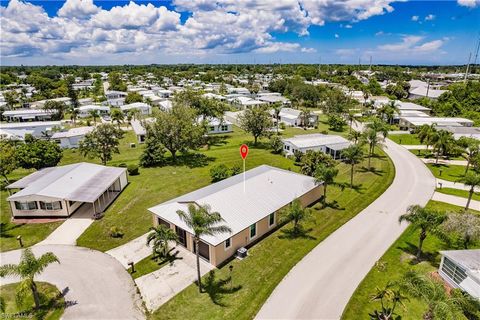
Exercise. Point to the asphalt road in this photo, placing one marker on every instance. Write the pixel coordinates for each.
(321, 284)
(96, 285)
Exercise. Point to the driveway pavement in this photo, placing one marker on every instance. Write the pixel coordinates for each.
(441, 161)
(132, 251)
(455, 200)
(321, 284)
(416, 147)
(160, 286)
(96, 286)
(454, 185)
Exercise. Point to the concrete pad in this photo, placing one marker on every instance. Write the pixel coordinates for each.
(454, 185)
(160, 286)
(458, 201)
(416, 147)
(134, 250)
(441, 161)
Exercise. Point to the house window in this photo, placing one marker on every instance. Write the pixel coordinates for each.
(271, 219)
(287, 147)
(224, 128)
(453, 271)
(253, 230)
(228, 243)
(212, 128)
(26, 205)
(55, 205)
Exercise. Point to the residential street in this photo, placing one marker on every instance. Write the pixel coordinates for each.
(96, 286)
(321, 284)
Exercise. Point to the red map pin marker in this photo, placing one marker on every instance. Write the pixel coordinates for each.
(244, 151)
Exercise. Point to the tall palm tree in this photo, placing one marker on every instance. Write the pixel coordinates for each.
(424, 219)
(305, 116)
(74, 115)
(277, 107)
(388, 111)
(355, 136)
(160, 236)
(471, 179)
(470, 149)
(296, 213)
(442, 142)
(373, 140)
(426, 132)
(94, 114)
(326, 175)
(353, 155)
(27, 269)
(117, 116)
(203, 222)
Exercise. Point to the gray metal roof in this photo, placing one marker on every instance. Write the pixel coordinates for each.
(316, 140)
(468, 259)
(83, 182)
(267, 189)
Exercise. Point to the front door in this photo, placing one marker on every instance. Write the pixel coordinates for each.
(182, 236)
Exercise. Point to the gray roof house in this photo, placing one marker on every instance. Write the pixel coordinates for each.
(329, 144)
(461, 269)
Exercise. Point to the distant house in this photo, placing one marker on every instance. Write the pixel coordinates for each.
(461, 269)
(251, 208)
(144, 108)
(272, 98)
(18, 130)
(116, 98)
(244, 102)
(84, 111)
(23, 115)
(41, 103)
(293, 117)
(458, 132)
(411, 123)
(60, 191)
(139, 129)
(329, 144)
(72, 137)
(164, 93)
(165, 105)
(214, 125)
(213, 96)
(425, 92)
(83, 85)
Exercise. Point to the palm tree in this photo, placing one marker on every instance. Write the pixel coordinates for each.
(277, 107)
(203, 222)
(355, 136)
(426, 132)
(389, 299)
(94, 114)
(74, 115)
(350, 118)
(431, 291)
(373, 139)
(471, 179)
(305, 116)
(27, 269)
(427, 220)
(465, 226)
(353, 155)
(388, 111)
(470, 148)
(117, 115)
(442, 143)
(160, 236)
(296, 213)
(326, 175)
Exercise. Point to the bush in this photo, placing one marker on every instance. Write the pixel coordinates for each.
(282, 126)
(122, 165)
(132, 169)
(115, 232)
(276, 144)
(219, 172)
(298, 155)
(235, 170)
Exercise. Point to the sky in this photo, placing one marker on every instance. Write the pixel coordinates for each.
(87, 32)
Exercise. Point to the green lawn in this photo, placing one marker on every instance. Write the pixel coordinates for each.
(406, 139)
(52, 303)
(148, 265)
(458, 193)
(270, 260)
(393, 264)
(447, 172)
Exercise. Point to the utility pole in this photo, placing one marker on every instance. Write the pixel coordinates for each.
(468, 67)
(370, 69)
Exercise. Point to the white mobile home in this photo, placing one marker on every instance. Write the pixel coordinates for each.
(461, 269)
(410, 123)
(84, 111)
(144, 108)
(293, 117)
(71, 138)
(329, 144)
(23, 115)
(214, 126)
(36, 129)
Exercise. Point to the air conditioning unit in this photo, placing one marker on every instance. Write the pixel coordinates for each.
(242, 253)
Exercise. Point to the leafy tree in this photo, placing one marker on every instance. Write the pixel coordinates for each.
(27, 269)
(276, 144)
(353, 155)
(373, 139)
(355, 136)
(442, 142)
(471, 179)
(202, 221)
(463, 226)
(177, 130)
(296, 213)
(117, 116)
(94, 114)
(423, 219)
(72, 94)
(115, 82)
(159, 237)
(389, 298)
(154, 152)
(56, 106)
(133, 97)
(256, 121)
(336, 122)
(426, 133)
(8, 159)
(102, 142)
(38, 154)
(74, 115)
(326, 175)
(219, 172)
(312, 160)
(397, 91)
(470, 148)
(277, 107)
(388, 111)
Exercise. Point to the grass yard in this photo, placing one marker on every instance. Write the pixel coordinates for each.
(393, 264)
(458, 193)
(270, 260)
(148, 265)
(447, 172)
(52, 303)
(406, 139)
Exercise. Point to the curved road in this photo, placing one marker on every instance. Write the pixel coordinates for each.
(96, 285)
(321, 284)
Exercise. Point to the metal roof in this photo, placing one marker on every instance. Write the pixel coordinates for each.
(316, 140)
(267, 189)
(80, 131)
(83, 182)
(468, 259)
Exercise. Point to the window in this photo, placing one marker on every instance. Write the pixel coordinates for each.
(453, 271)
(271, 219)
(228, 243)
(224, 128)
(287, 147)
(26, 205)
(253, 230)
(55, 205)
(212, 128)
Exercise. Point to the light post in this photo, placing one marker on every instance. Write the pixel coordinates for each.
(132, 266)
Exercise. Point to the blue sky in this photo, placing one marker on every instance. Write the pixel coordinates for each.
(231, 31)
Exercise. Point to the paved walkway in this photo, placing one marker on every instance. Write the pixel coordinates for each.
(95, 285)
(416, 147)
(321, 284)
(160, 286)
(442, 161)
(132, 251)
(69, 231)
(454, 185)
(455, 200)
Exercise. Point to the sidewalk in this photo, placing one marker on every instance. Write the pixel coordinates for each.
(454, 185)
(416, 147)
(132, 251)
(458, 201)
(442, 161)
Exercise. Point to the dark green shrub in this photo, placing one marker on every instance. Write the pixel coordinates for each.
(219, 172)
(132, 169)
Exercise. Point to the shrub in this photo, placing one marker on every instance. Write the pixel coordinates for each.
(115, 232)
(122, 165)
(276, 144)
(235, 170)
(282, 126)
(219, 172)
(132, 169)
(298, 155)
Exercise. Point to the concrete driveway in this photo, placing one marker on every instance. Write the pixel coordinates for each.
(96, 285)
(321, 284)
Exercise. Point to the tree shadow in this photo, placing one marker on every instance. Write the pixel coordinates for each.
(216, 141)
(412, 249)
(217, 289)
(373, 170)
(169, 258)
(6, 228)
(191, 160)
(48, 305)
(346, 185)
(299, 233)
(333, 205)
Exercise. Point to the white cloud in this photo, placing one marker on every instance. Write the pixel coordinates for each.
(429, 46)
(78, 9)
(430, 17)
(415, 18)
(337, 36)
(469, 3)
(413, 45)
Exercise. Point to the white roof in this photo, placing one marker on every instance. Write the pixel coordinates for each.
(135, 105)
(33, 124)
(290, 113)
(83, 182)
(166, 104)
(213, 96)
(267, 189)
(80, 131)
(316, 140)
(272, 98)
(402, 105)
(31, 112)
(93, 107)
(138, 127)
(468, 259)
(422, 91)
(418, 121)
(14, 134)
